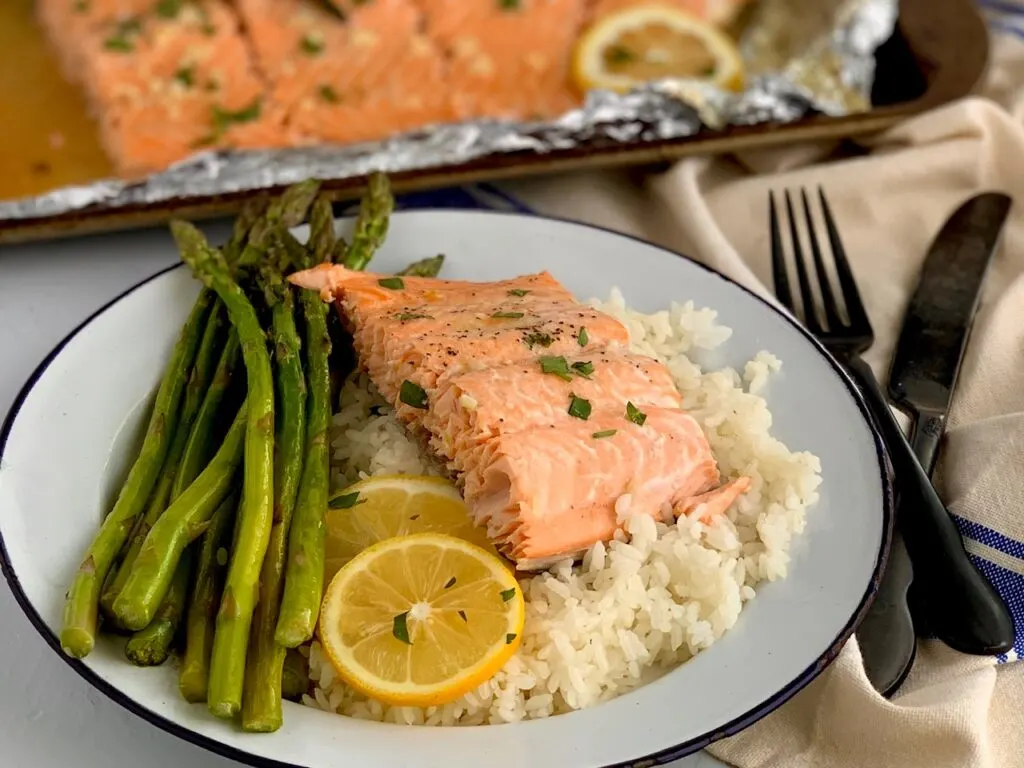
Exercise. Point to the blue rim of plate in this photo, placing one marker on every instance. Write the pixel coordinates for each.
(661, 757)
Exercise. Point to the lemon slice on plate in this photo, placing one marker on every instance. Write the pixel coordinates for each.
(381, 507)
(420, 620)
(638, 44)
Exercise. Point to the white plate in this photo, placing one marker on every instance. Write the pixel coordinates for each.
(67, 439)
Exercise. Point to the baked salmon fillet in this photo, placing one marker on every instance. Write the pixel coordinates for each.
(163, 80)
(552, 428)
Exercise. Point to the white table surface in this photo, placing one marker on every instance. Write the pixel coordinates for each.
(49, 716)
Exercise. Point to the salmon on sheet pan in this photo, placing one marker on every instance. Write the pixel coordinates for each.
(552, 428)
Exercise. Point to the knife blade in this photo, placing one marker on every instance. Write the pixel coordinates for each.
(922, 380)
(940, 316)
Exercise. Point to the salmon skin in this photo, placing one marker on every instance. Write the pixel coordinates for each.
(554, 431)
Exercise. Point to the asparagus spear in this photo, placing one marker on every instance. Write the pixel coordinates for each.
(170, 484)
(303, 584)
(234, 618)
(211, 565)
(261, 697)
(251, 212)
(295, 680)
(372, 223)
(286, 212)
(200, 446)
(150, 647)
(78, 630)
(182, 523)
(430, 267)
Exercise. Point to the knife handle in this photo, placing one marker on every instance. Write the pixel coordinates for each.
(964, 611)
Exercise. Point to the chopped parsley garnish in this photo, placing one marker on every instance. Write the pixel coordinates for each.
(510, 637)
(579, 407)
(186, 76)
(392, 283)
(168, 9)
(535, 338)
(508, 5)
(412, 316)
(583, 369)
(224, 118)
(118, 44)
(708, 72)
(413, 395)
(604, 433)
(462, 615)
(556, 366)
(81, 6)
(508, 594)
(635, 415)
(618, 54)
(121, 41)
(450, 583)
(583, 337)
(328, 94)
(507, 315)
(518, 292)
(400, 628)
(311, 46)
(345, 501)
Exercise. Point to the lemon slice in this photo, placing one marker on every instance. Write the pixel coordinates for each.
(420, 620)
(381, 507)
(642, 43)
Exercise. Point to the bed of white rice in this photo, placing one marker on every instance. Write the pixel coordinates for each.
(644, 603)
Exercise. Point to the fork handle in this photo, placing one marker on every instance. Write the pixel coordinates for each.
(963, 610)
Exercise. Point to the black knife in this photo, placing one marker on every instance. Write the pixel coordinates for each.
(951, 599)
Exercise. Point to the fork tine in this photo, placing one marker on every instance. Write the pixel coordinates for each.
(824, 284)
(806, 297)
(779, 275)
(851, 296)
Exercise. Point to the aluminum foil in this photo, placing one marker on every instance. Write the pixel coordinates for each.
(802, 57)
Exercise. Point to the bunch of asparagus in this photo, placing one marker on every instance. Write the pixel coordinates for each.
(220, 522)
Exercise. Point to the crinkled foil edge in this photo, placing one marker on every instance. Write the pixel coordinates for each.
(832, 75)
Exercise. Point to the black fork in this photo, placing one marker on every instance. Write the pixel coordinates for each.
(951, 598)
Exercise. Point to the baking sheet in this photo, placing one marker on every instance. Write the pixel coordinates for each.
(804, 57)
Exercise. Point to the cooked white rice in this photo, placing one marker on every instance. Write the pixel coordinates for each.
(643, 603)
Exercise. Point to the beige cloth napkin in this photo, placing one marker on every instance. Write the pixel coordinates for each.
(953, 710)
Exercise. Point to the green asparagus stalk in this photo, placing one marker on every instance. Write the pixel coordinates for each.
(372, 223)
(430, 267)
(211, 565)
(183, 522)
(286, 212)
(304, 576)
(251, 212)
(295, 680)
(150, 647)
(261, 697)
(170, 484)
(234, 618)
(200, 445)
(81, 608)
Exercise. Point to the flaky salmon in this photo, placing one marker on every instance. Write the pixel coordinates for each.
(552, 428)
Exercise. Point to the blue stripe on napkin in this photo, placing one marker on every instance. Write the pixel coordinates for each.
(1004, 16)
(1006, 576)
